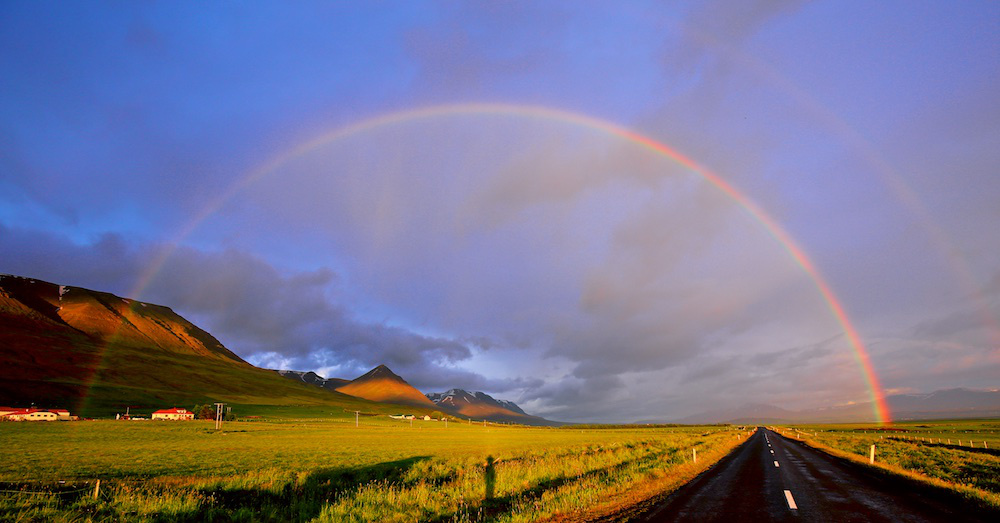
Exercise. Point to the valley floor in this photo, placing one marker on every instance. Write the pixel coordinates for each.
(330, 470)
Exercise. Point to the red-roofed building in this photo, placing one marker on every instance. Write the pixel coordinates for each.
(12, 414)
(173, 414)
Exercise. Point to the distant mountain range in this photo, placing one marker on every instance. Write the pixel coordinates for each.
(96, 353)
(479, 405)
(940, 404)
(382, 385)
(476, 404)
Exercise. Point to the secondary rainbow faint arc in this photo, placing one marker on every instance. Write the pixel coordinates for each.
(880, 407)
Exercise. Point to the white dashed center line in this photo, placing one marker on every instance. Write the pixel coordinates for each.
(776, 464)
(790, 500)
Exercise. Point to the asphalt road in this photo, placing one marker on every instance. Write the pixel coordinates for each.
(771, 478)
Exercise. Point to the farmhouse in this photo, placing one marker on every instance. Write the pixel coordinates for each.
(13, 414)
(173, 414)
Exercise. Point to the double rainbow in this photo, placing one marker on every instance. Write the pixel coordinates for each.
(879, 405)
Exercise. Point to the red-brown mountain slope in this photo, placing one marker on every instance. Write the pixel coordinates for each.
(381, 384)
(96, 353)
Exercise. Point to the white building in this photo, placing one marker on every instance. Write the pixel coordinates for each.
(174, 414)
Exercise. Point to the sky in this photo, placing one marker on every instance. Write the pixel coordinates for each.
(455, 190)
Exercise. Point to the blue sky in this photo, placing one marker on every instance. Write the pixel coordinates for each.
(554, 265)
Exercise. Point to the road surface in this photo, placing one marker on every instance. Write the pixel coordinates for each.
(771, 478)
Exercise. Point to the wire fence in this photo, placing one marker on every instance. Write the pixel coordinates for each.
(40, 490)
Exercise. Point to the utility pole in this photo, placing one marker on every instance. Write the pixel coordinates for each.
(356, 414)
(218, 415)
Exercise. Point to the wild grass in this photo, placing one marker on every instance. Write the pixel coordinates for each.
(321, 470)
(922, 451)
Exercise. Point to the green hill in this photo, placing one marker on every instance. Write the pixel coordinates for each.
(96, 353)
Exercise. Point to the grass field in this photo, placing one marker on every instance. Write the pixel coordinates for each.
(326, 469)
(961, 455)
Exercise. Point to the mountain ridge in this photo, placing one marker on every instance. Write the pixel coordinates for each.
(939, 404)
(475, 404)
(96, 353)
(312, 378)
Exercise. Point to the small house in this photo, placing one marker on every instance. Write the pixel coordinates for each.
(173, 414)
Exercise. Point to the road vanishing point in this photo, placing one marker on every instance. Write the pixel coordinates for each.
(771, 478)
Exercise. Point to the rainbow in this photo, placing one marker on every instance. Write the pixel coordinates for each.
(880, 407)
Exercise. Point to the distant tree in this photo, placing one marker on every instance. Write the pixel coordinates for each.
(204, 411)
(230, 416)
(437, 414)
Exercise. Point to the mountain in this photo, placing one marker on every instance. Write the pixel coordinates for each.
(940, 404)
(106, 318)
(475, 404)
(313, 379)
(479, 405)
(382, 385)
(96, 353)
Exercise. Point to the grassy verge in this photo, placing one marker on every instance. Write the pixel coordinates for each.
(916, 451)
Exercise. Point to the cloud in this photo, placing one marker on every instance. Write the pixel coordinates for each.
(250, 305)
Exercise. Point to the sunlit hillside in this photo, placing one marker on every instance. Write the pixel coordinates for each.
(97, 354)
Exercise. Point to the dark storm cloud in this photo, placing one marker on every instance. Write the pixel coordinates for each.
(108, 263)
(260, 310)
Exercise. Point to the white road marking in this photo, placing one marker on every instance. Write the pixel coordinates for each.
(790, 500)
(776, 464)
(772, 452)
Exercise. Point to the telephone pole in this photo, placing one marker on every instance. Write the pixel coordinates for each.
(218, 415)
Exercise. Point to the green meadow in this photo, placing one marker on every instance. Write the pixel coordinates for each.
(324, 468)
(961, 455)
